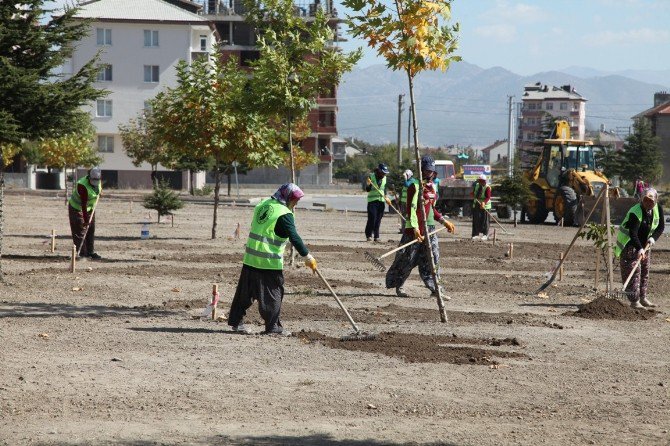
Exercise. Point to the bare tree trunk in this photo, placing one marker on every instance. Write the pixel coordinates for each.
(217, 190)
(154, 175)
(65, 175)
(229, 181)
(426, 240)
(290, 148)
(191, 187)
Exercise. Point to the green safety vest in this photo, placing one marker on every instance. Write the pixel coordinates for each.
(93, 194)
(430, 219)
(264, 250)
(403, 195)
(374, 194)
(480, 194)
(623, 235)
(412, 221)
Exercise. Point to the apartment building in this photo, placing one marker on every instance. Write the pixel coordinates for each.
(238, 39)
(140, 44)
(542, 104)
(659, 119)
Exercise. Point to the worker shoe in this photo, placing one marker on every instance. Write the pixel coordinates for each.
(282, 333)
(647, 303)
(444, 296)
(400, 292)
(485, 238)
(369, 239)
(475, 237)
(636, 304)
(95, 256)
(240, 328)
(376, 240)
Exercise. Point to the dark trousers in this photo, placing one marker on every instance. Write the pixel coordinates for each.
(408, 258)
(375, 214)
(78, 229)
(264, 285)
(480, 221)
(637, 287)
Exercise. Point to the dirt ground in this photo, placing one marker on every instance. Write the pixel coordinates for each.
(115, 353)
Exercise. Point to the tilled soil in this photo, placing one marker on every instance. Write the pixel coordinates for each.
(116, 353)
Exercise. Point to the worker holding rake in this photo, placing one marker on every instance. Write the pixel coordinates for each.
(81, 211)
(262, 277)
(481, 206)
(638, 232)
(375, 185)
(417, 254)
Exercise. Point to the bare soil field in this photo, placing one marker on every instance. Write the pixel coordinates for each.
(115, 353)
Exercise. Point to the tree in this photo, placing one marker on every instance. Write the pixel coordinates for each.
(207, 116)
(642, 154)
(163, 200)
(610, 161)
(35, 101)
(142, 145)
(515, 190)
(410, 35)
(297, 63)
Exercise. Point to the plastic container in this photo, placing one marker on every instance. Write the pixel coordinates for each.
(144, 232)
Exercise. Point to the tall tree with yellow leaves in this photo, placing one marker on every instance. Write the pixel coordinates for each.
(413, 36)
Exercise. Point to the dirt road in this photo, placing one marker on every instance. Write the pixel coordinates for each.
(113, 355)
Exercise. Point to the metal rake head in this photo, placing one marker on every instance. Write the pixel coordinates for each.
(623, 295)
(359, 336)
(375, 262)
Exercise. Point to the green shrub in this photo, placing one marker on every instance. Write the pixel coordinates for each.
(163, 200)
(204, 191)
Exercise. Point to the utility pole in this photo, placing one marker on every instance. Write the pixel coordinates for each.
(409, 129)
(400, 104)
(510, 129)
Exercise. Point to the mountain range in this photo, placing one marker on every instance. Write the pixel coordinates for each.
(468, 105)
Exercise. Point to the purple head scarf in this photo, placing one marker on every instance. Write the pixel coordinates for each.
(286, 192)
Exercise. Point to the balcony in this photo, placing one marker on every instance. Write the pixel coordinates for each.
(327, 101)
(237, 8)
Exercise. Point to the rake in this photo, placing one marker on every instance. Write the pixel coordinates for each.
(90, 220)
(357, 335)
(376, 261)
(494, 219)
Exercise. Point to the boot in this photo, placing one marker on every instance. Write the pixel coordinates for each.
(400, 292)
(636, 304)
(647, 303)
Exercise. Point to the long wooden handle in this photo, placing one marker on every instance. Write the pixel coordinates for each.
(494, 219)
(632, 272)
(579, 231)
(339, 302)
(90, 220)
(408, 244)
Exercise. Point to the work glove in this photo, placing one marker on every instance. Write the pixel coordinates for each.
(651, 241)
(368, 181)
(417, 235)
(387, 200)
(450, 226)
(310, 262)
(641, 254)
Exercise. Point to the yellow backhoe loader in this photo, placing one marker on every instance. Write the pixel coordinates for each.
(565, 181)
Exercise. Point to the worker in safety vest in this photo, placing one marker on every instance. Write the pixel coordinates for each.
(402, 200)
(641, 227)
(375, 185)
(481, 203)
(84, 197)
(262, 277)
(416, 254)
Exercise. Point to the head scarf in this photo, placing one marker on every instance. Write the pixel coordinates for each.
(287, 192)
(94, 176)
(428, 163)
(407, 174)
(650, 192)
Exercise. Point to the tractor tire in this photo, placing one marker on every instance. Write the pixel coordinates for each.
(537, 211)
(569, 198)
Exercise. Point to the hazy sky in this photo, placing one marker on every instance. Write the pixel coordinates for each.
(531, 36)
(541, 35)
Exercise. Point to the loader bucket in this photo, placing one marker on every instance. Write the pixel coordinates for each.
(618, 209)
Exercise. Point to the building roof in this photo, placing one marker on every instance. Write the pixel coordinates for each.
(136, 10)
(495, 145)
(541, 92)
(661, 109)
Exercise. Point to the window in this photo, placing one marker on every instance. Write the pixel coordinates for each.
(564, 105)
(151, 73)
(104, 108)
(104, 36)
(105, 73)
(150, 38)
(575, 106)
(105, 144)
(203, 43)
(549, 105)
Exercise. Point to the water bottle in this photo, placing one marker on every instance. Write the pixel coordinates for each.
(144, 233)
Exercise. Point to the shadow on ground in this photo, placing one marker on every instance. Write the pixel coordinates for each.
(271, 440)
(41, 309)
